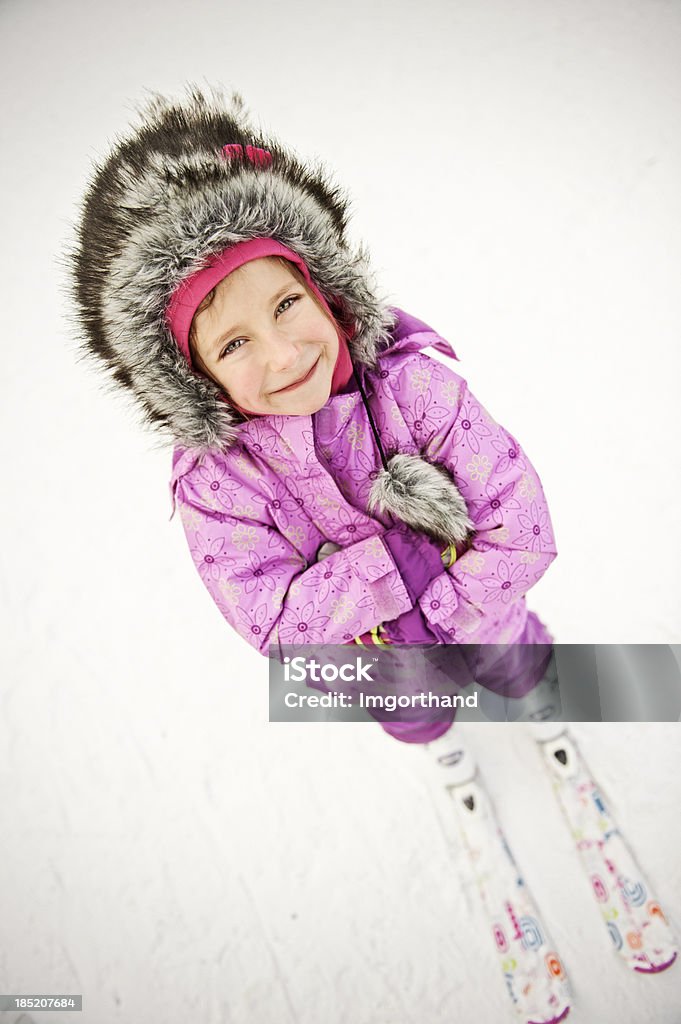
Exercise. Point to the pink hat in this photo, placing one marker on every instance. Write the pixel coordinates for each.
(188, 296)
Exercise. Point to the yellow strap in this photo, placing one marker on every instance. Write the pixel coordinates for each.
(383, 633)
(449, 555)
(375, 635)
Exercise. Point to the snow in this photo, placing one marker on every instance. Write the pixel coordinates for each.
(167, 852)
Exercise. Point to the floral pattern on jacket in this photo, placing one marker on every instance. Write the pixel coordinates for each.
(256, 515)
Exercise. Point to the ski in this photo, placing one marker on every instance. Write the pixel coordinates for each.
(533, 972)
(637, 926)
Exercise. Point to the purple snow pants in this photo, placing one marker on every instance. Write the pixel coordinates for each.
(510, 670)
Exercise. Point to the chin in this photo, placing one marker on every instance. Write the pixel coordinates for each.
(309, 409)
(306, 407)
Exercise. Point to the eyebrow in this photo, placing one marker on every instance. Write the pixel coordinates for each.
(235, 330)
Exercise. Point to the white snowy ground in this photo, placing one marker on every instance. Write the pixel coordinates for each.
(172, 856)
(165, 851)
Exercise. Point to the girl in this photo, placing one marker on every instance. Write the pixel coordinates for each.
(335, 483)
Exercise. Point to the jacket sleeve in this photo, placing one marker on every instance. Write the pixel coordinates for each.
(514, 544)
(265, 589)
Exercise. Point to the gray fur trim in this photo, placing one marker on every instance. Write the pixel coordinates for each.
(164, 201)
(423, 496)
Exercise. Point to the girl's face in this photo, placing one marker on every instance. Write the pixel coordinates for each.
(266, 341)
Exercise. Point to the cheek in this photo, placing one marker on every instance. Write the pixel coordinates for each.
(241, 382)
(317, 328)
(328, 335)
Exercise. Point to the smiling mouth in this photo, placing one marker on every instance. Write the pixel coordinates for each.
(297, 383)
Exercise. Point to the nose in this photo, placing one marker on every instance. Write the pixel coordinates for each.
(281, 353)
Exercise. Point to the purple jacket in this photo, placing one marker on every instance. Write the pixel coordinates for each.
(257, 514)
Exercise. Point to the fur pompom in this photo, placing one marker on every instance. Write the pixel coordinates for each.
(423, 496)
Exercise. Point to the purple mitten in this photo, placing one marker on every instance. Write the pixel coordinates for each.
(416, 556)
(409, 628)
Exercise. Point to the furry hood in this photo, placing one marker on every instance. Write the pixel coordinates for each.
(165, 200)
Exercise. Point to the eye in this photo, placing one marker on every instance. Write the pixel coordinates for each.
(231, 347)
(287, 303)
